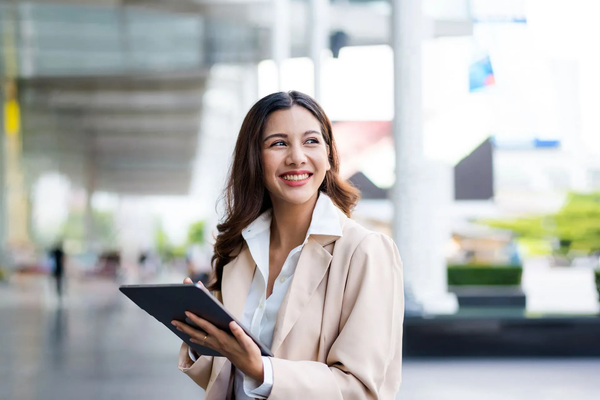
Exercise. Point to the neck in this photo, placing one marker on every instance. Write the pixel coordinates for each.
(290, 223)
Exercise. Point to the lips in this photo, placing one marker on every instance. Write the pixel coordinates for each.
(296, 178)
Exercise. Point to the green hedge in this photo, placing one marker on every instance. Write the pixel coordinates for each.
(484, 275)
(597, 272)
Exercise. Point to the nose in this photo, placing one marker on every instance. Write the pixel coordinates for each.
(296, 155)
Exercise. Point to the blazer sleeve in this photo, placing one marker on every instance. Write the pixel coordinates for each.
(365, 360)
(199, 370)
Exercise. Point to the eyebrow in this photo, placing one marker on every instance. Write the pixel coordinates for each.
(285, 135)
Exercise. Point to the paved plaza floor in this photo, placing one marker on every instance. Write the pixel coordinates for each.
(98, 345)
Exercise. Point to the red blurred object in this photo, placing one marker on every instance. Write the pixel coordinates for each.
(108, 264)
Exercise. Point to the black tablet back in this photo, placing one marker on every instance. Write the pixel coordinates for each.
(170, 302)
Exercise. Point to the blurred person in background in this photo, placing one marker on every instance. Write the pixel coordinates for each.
(57, 255)
(142, 259)
(149, 265)
(322, 292)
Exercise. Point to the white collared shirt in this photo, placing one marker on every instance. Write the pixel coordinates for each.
(260, 313)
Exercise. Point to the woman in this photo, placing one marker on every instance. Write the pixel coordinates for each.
(323, 292)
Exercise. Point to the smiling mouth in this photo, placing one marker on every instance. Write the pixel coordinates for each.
(296, 177)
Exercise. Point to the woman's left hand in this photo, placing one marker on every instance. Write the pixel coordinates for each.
(239, 348)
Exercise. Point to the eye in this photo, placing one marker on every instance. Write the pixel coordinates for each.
(278, 143)
(312, 141)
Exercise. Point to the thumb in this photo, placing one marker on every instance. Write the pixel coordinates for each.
(187, 280)
(241, 336)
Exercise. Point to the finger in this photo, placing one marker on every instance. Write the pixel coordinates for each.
(187, 280)
(240, 335)
(205, 325)
(208, 342)
(192, 332)
(214, 338)
(200, 283)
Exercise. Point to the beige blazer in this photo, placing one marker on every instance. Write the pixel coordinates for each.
(339, 329)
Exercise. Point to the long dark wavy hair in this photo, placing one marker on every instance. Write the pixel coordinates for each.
(246, 196)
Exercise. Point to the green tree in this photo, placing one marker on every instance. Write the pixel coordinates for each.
(162, 243)
(576, 226)
(105, 232)
(196, 233)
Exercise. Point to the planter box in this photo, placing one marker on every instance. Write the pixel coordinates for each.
(487, 286)
(489, 296)
(597, 275)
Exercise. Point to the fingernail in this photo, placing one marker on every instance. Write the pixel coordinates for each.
(173, 323)
(187, 313)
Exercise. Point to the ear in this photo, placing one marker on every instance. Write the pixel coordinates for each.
(328, 161)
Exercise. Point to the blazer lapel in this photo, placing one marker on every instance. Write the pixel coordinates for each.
(313, 264)
(237, 278)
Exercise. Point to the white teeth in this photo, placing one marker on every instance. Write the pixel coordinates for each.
(295, 177)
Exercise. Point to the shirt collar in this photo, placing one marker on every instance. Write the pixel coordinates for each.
(259, 225)
(325, 220)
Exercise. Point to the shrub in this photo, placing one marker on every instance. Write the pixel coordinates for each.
(484, 275)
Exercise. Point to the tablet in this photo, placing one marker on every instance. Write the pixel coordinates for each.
(169, 302)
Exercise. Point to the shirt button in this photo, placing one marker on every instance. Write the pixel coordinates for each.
(262, 304)
(282, 279)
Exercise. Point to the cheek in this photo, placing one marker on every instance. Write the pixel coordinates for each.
(322, 160)
(270, 164)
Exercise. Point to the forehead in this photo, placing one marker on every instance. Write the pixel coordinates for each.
(295, 120)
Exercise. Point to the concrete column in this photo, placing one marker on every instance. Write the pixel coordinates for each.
(248, 87)
(408, 142)
(319, 37)
(415, 226)
(219, 128)
(17, 192)
(90, 188)
(280, 37)
(567, 84)
(3, 224)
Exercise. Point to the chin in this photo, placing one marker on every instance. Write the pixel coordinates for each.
(298, 198)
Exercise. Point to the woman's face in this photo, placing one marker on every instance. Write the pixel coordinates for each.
(294, 155)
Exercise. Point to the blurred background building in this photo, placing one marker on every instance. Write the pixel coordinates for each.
(470, 126)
